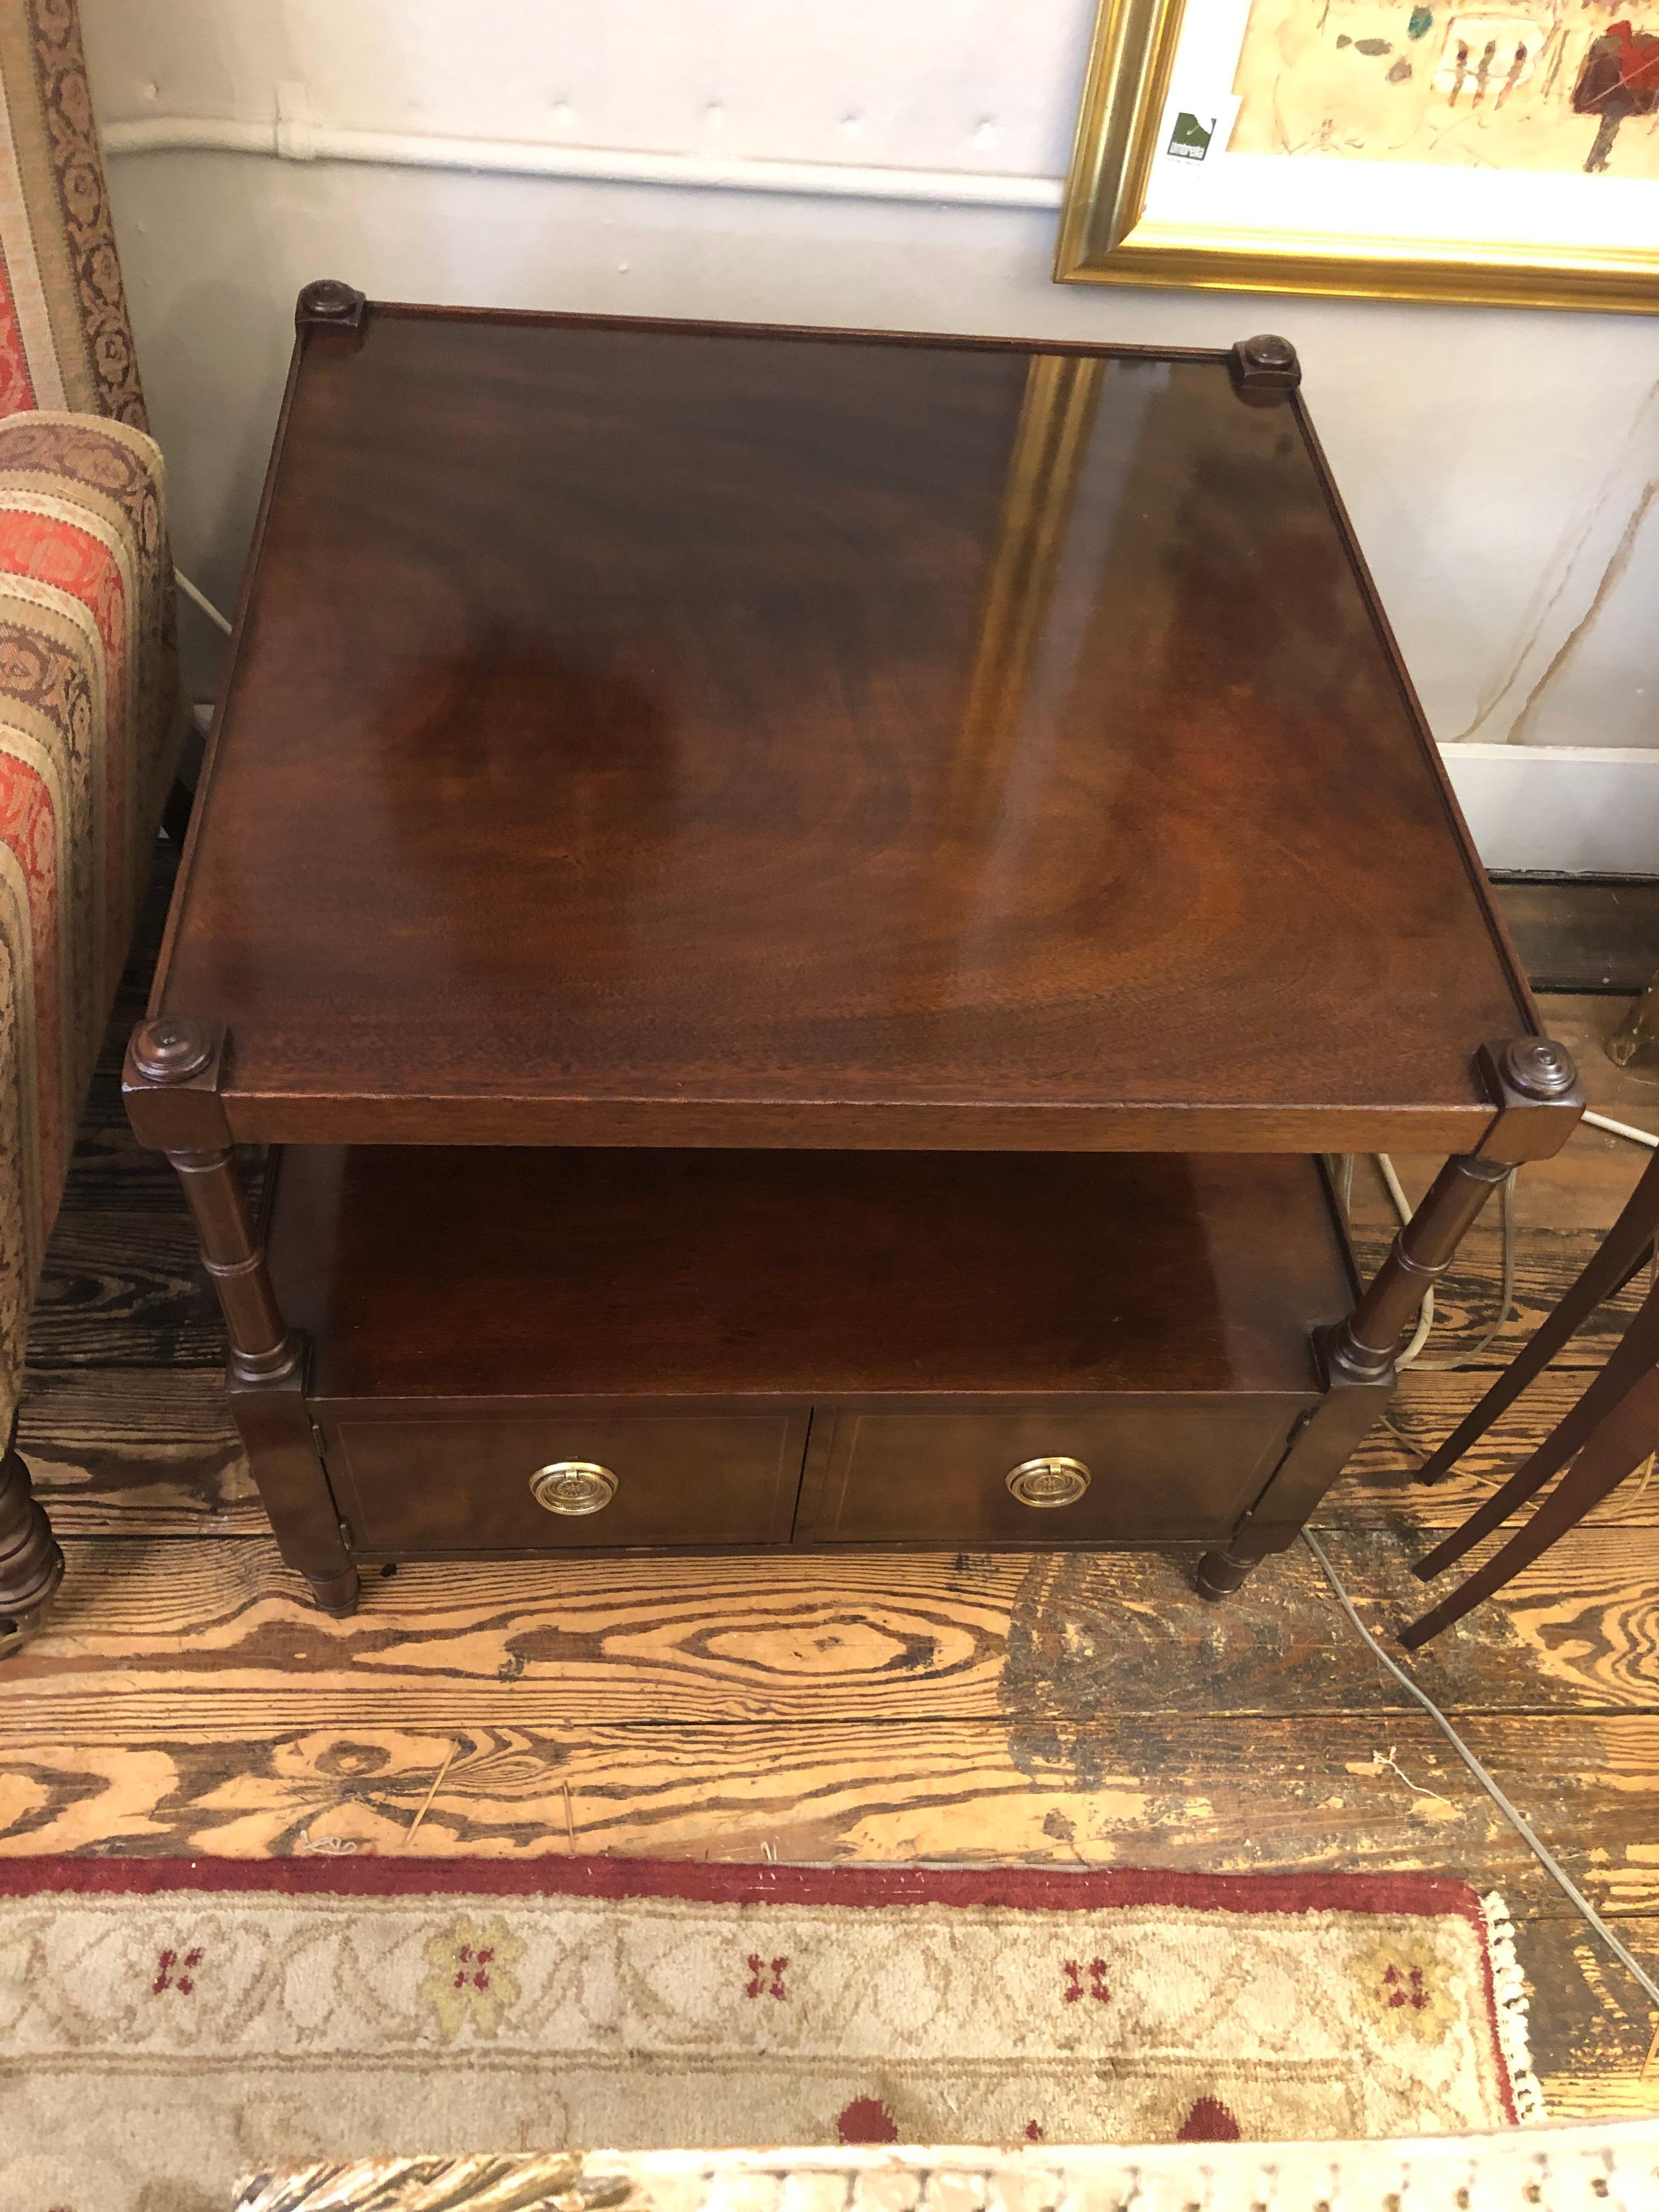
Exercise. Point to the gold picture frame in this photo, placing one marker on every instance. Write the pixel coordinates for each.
(1107, 236)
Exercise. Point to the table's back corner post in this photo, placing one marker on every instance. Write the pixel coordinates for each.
(1265, 370)
(171, 1084)
(328, 305)
(1533, 1087)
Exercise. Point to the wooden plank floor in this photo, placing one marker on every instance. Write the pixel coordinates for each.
(188, 1697)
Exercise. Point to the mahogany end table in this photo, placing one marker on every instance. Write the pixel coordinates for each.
(798, 909)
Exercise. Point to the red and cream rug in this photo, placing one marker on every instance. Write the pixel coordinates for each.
(165, 2025)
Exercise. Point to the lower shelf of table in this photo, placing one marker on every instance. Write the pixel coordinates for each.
(762, 1349)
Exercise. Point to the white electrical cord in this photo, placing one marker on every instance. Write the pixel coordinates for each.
(1540, 1851)
(200, 599)
(1472, 1352)
(1426, 1311)
(1624, 1129)
(1412, 1354)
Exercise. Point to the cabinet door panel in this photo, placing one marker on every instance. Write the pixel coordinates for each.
(1145, 1475)
(560, 1482)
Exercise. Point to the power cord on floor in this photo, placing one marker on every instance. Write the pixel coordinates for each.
(198, 598)
(1540, 1851)
(1622, 1129)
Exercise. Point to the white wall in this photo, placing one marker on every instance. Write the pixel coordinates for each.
(1501, 466)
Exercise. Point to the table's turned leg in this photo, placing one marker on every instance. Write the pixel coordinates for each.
(31, 1564)
(170, 1068)
(1357, 1358)
(1534, 1088)
(1364, 1346)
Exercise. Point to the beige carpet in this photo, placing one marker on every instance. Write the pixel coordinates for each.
(164, 2026)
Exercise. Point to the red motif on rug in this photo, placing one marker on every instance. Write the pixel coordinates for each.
(765, 1977)
(1096, 1987)
(473, 1967)
(183, 1981)
(866, 2120)
(1404, 1986)
(1209, 2121)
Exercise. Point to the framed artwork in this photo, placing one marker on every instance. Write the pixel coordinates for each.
(1503, 151)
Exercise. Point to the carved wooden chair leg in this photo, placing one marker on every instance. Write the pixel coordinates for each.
(31, 1564)
(1643, 1258)
(1625, 1251)
(1638, 1033)
(1624, 1440)
(1637, 1351)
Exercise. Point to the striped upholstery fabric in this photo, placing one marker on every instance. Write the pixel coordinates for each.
(64, 337)
(88, 712)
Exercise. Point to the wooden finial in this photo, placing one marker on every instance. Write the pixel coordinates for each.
(1538, 1067)
(170, 1084)
(172, 1048)
(1264, 368)
(330, 303)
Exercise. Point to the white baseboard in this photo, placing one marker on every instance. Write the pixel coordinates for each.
(1560, 809)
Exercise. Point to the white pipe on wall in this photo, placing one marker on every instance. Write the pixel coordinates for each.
(302, 140)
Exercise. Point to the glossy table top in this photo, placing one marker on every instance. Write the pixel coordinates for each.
(676, 734)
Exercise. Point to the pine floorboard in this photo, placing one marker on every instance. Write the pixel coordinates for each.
(187, 1697)
(1583, 934)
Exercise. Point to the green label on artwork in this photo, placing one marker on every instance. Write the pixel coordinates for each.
(1190, 139)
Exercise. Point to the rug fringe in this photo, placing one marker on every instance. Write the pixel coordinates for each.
(1509, 1989)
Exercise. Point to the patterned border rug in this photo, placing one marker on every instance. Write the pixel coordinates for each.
(165, 2025)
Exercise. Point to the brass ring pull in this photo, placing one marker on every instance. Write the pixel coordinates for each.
(572, 1487)
(1048, 1482)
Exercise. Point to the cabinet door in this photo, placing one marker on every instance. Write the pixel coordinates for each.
(1180, 1472)
(554, 1482)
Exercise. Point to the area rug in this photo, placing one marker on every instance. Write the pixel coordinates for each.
(1571, 2169)
(165, 2025)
